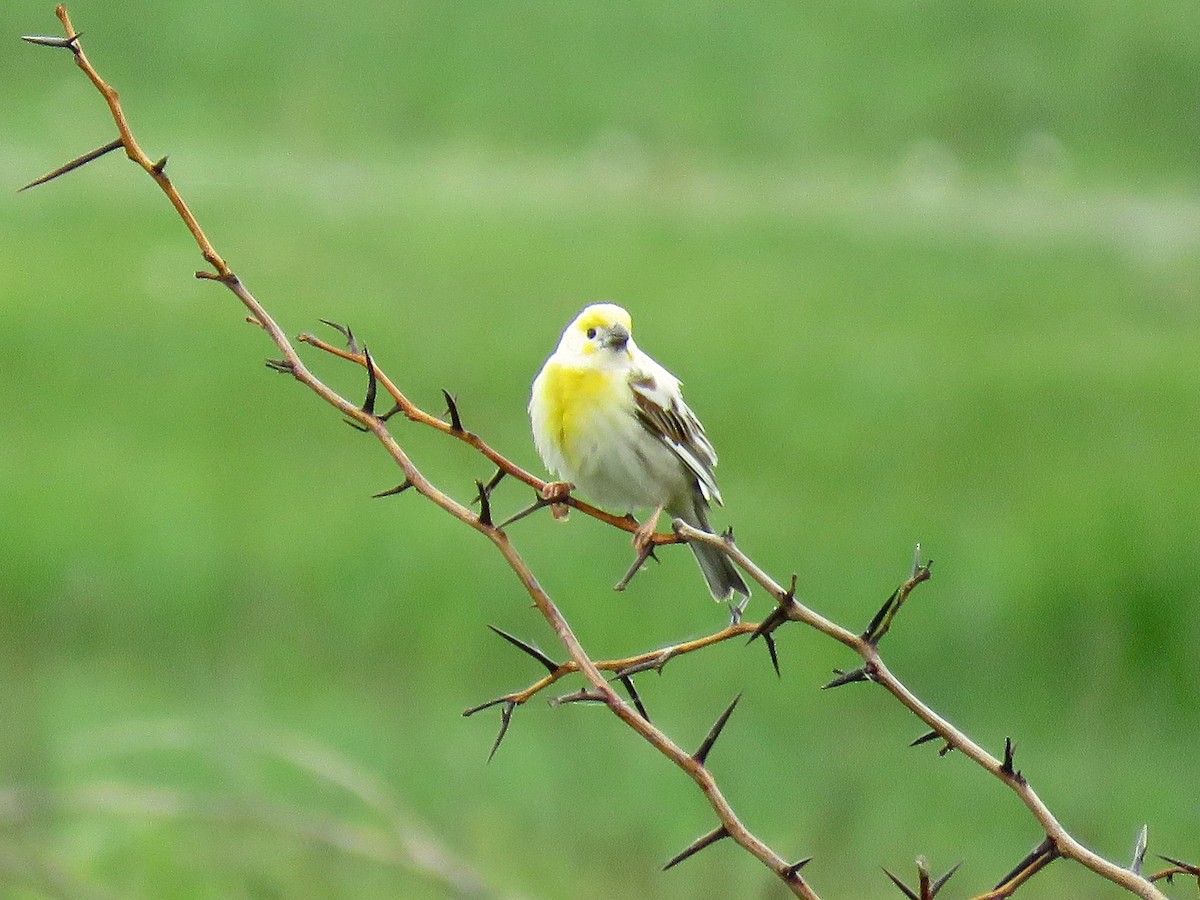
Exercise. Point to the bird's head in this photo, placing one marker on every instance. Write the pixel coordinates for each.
(602, 328)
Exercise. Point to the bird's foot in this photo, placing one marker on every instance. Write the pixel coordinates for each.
(556, 493)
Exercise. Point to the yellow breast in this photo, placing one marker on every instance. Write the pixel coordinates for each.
(576, 402)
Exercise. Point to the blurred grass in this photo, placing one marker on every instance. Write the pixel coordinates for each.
(928, 271)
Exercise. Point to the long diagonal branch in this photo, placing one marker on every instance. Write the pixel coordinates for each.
(291, 362)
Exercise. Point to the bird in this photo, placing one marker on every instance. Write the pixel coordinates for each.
(609, 420)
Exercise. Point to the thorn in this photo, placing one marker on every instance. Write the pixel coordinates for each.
(282, 365)
(159, 166)
(51, 41)
(452, 411)
(344, 330)
(529, 510)
(396, 408)
(583, 695)
(647, 552)
(777, 617)
(357, 426)
(551, 665)
(774, 655)
(925, 739)
(1139, 851)
(1043, 853)
(505, 720)
(697, 845)
(507, 698)
(937, 885)
(860, 674)
(495, 480)
(702, 753)
(656, 663)
(633, 695)
(1179, 864)
(901, 885)
(73, 164)
(372, 384)
(1007, 766)
(793, 871)
(392, 492)
(873, 634)
(485, 505)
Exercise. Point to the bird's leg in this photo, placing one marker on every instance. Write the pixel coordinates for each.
(644, 536)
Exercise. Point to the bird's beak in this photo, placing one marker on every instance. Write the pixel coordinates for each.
(618, 337)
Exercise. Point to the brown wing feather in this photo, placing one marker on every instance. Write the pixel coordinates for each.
(679, 427)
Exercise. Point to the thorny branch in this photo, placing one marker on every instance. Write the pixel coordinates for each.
(1058, 842)
(377, 425)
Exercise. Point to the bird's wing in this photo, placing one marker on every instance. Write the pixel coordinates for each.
(660, 408)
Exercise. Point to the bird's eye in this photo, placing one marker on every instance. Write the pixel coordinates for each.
(591, 333)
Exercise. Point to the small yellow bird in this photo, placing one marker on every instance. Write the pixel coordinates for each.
(611, 421)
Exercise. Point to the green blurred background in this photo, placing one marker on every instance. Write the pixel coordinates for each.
(929, 272)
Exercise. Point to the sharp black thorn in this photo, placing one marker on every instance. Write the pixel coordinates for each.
(1007, 766)
(793, 870)
(925, 739)
(551, 665)
(860, 674)
(529, 510)
(644, 554)
(633, 696)
(485, 505)
(777, 617)
(937, 885)
(391, 412)
(281, 365)
(74, 164)
(372, 384)
(774, 654)
(452, 411)
(1180, 864)
(702, 753)
(488, 705)
(697, 845)
(901, 885)
(1046, 847)
(357, 426)
(871, 635)
(495, 480)
(346, 332)
(391, 492)
(505, 719)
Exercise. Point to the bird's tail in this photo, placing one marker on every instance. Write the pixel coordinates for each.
(722, 576)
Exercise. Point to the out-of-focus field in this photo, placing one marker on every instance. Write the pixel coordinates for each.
(929, 272)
